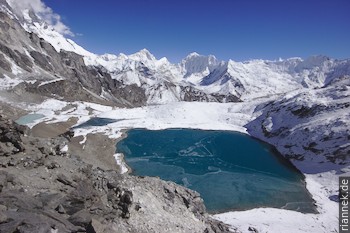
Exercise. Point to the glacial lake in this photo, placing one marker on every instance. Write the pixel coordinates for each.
(29, 118)
(231, 171)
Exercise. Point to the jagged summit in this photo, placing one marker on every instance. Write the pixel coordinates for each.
(198, 65)
(109, 57)
(142, 55)
(193, 54)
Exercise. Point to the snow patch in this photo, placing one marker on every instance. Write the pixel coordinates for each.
(50, 81)
(7, 83)
(84, 140)
(119, 158)
(64, 149)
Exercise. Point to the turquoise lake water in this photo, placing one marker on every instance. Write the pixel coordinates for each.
(29, 118)
(230, 170)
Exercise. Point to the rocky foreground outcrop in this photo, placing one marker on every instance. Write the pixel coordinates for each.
(45, 189)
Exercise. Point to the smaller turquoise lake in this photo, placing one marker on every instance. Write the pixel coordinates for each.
(230, 170)
(29, 118)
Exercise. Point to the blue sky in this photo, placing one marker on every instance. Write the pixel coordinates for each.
(229, 29)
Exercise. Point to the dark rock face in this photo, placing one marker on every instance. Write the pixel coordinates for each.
(129, 95)
(43, 189)
(191, 94)
(15, 143)
(41, 60)
(226, 98)
(20, 59)
(4, 64)
(10, 137)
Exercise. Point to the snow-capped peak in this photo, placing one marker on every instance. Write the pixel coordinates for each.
(193, 54)
(109, 57)
(37, 11)
(41, 20)
(195, 63)
(311, 62)
(142, 55)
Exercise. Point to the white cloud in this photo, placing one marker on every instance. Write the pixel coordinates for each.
(42, 11)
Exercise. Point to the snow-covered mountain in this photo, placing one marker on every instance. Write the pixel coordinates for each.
(195, 78)
(242, 79)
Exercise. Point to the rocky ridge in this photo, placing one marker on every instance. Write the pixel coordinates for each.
(43, 188)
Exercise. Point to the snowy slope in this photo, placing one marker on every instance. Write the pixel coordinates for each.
(33, 22)
(311, 127)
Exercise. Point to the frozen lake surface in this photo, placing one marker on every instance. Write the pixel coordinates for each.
(231, 171)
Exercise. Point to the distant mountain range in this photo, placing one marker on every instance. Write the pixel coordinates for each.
(55, 60)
